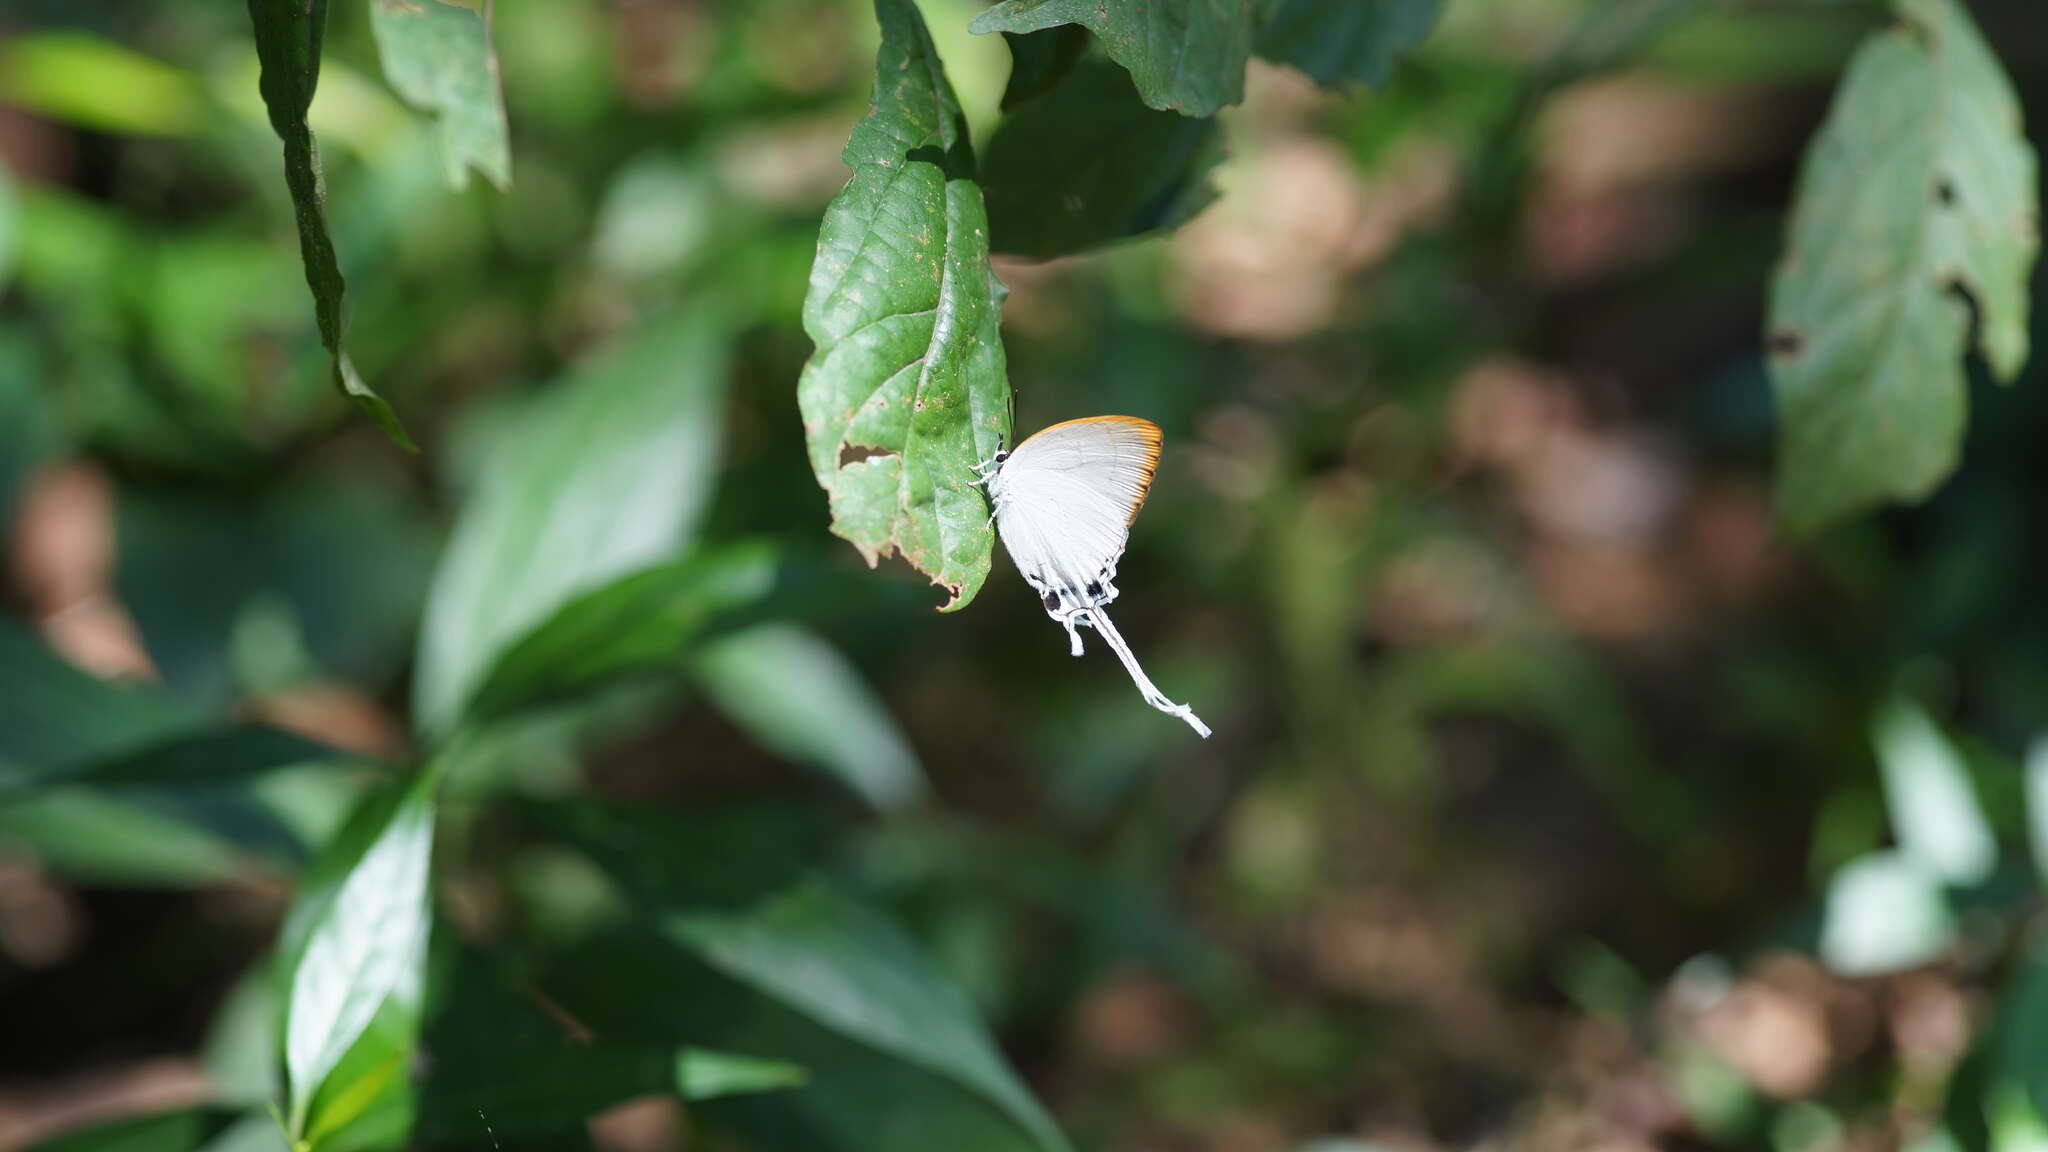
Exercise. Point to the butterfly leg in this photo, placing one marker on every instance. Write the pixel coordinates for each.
(1072, 635)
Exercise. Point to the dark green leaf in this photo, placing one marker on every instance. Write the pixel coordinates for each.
(907, 390)
(852, 972)
(502, 1053)
(288, 34)
(1339, 42)
(1088, 163)
(117, 840)
(641, 622)
(603, 476)
(354, 950)
(339, 563)
(186, 1130)
(1187, 56)
(631, 987)
(438, 56)
(1919, 190)
(798, 697)
(55, 717)
(703, 857)
(1038, 60)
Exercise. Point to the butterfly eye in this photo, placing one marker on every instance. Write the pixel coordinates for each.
(1002, 456)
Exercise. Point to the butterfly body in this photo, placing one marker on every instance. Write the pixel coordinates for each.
(1064, 502)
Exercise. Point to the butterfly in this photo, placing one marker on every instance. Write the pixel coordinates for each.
(1064, 502)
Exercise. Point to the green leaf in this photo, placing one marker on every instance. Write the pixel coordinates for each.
(1919, 189)
(723, 856)
(1039, 60)
(1340, 42)
(96, 83)
(1885, 912)
(354, 950)
(801, 699)
(288, 34)
(702, 1074)
(184, 1130)
(55, 717)
(837, 963)
(1934, 810)
(340, 560)
(1186, 56)
(603, 476)
(638, 623)
(438, 56)
(1088, 163)
(907, 390)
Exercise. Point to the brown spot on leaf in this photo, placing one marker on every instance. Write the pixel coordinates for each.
(1786, 343)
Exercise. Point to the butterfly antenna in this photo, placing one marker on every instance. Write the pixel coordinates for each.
(1152, 694)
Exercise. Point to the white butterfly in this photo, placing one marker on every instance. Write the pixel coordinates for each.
(1064, 502)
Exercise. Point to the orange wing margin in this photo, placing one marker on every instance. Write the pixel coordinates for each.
(1149, 439)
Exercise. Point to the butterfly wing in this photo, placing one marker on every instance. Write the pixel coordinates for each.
(1065, 500)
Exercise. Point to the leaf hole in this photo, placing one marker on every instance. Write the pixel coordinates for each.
(1944, 191)
(855, 453)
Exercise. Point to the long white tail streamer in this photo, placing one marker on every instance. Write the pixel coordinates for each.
(1099, 620)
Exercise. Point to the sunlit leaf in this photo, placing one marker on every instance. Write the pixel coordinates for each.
(438, 56)
(1340, 42)
(702, 1074)
(1917, 206)
(354, 952)
(604, 475)
(288, 35)
(1185, 55)
(800, 698)
(907, 390)
(99, 84)
(1885, 912)
(1088, 163)
(640, 622)
(1934, 810)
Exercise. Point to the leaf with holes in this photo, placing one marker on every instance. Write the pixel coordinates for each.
(907, 390)
(1339, 42)
(1187, 56)
(1917, 200)
(288, 34)
(438, 56)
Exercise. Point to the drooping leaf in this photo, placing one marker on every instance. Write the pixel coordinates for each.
(801, 699)
(1917, 202)
(1340, 42)
(833, 961)
(288, 35)
(1187, 56)
(603, 476)
(640, 622)
(439, 58)
(907, 390)
(1039, 60)
(354, 955)
(1087, 163)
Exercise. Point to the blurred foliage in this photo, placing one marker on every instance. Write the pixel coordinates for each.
(568, 786)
